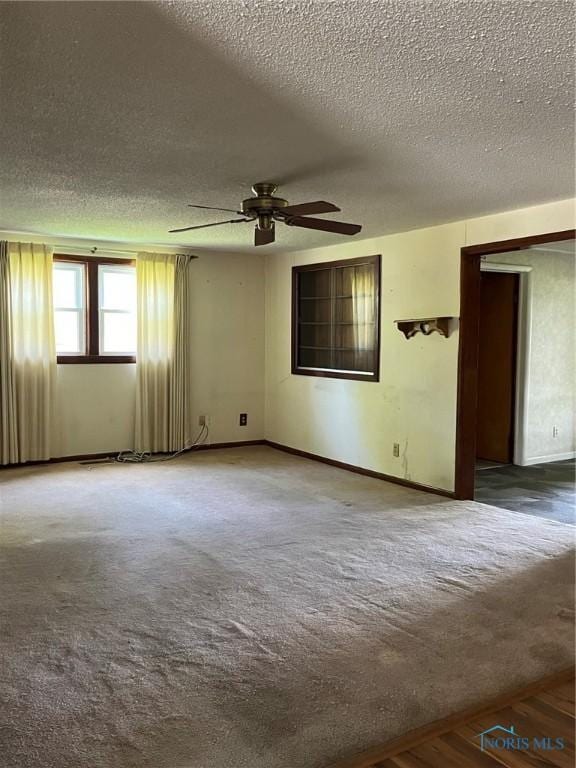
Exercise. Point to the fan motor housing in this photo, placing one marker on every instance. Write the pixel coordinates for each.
(262, 204)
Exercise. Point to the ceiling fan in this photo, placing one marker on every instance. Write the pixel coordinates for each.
(265, 209)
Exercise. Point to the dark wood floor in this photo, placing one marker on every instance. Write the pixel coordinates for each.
(545, 490)
(543, 711)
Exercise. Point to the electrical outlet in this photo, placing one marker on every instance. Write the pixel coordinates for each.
(243, 419)
(203, 420)
(396, 450)
(554, 431)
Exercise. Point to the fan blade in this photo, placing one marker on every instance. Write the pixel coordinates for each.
(340, 227)
(264, 236)
(320, 206)
(203, 226)
(210, 208)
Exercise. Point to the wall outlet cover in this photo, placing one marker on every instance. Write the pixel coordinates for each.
(243, 419)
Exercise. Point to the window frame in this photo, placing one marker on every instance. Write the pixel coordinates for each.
(298, 370)
(79, 310)
(92, 311)
(104, 310)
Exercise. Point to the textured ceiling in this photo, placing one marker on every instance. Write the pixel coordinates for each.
(404, 113)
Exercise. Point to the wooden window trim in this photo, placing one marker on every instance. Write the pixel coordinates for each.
(92, 355)
(327, 373)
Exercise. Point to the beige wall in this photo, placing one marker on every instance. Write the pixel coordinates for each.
(231, 333)
(95, 403)
(94, 409)
(414, 403)
(227, 343)
(550, 380)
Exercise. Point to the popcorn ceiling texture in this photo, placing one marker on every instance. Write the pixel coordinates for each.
(406, 114)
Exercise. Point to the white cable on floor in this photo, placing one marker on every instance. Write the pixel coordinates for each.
(133, 457)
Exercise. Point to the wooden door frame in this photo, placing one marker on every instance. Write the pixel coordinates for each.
(470, 260)
(523, 350)
(507, 303)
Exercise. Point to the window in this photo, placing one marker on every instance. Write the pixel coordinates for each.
(94, 310)
(117, 309)
(336, 319)
(69, 308)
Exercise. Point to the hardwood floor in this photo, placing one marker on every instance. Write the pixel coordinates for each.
(540, 713)
(544, 490)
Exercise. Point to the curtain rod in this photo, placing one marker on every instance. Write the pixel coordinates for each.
(99, 249)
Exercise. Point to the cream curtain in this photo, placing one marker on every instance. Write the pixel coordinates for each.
(162, 363)
(27, 352)
(8, 422)
(363, 289)
(180, 383)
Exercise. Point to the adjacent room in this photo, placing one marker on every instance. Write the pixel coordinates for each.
(300, 493)
(526, 410)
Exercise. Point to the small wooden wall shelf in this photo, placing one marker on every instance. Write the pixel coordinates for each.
(425, 325)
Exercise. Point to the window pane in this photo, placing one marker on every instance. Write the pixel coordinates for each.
(336, 318)
(315, 358)
(315, 283)
(319, 310)
(315, 335)
(360, 336)
(117, 288)
(117, 298)
(117, 333)
(360, 361)
(68, 329)
(68, 285)
(344, 278)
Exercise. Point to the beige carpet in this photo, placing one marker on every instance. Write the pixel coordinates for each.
(247, 609)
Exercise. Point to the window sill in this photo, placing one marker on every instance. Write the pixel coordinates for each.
(94, 359)
(328, 373)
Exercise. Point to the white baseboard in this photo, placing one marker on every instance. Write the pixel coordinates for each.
(547, 459)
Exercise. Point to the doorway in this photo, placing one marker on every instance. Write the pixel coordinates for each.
(469, 349)
(497, 355)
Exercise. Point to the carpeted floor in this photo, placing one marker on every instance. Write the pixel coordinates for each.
(545, 490)
(244, 608)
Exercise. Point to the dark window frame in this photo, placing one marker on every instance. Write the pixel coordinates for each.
(298, 370)
(92, 320)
